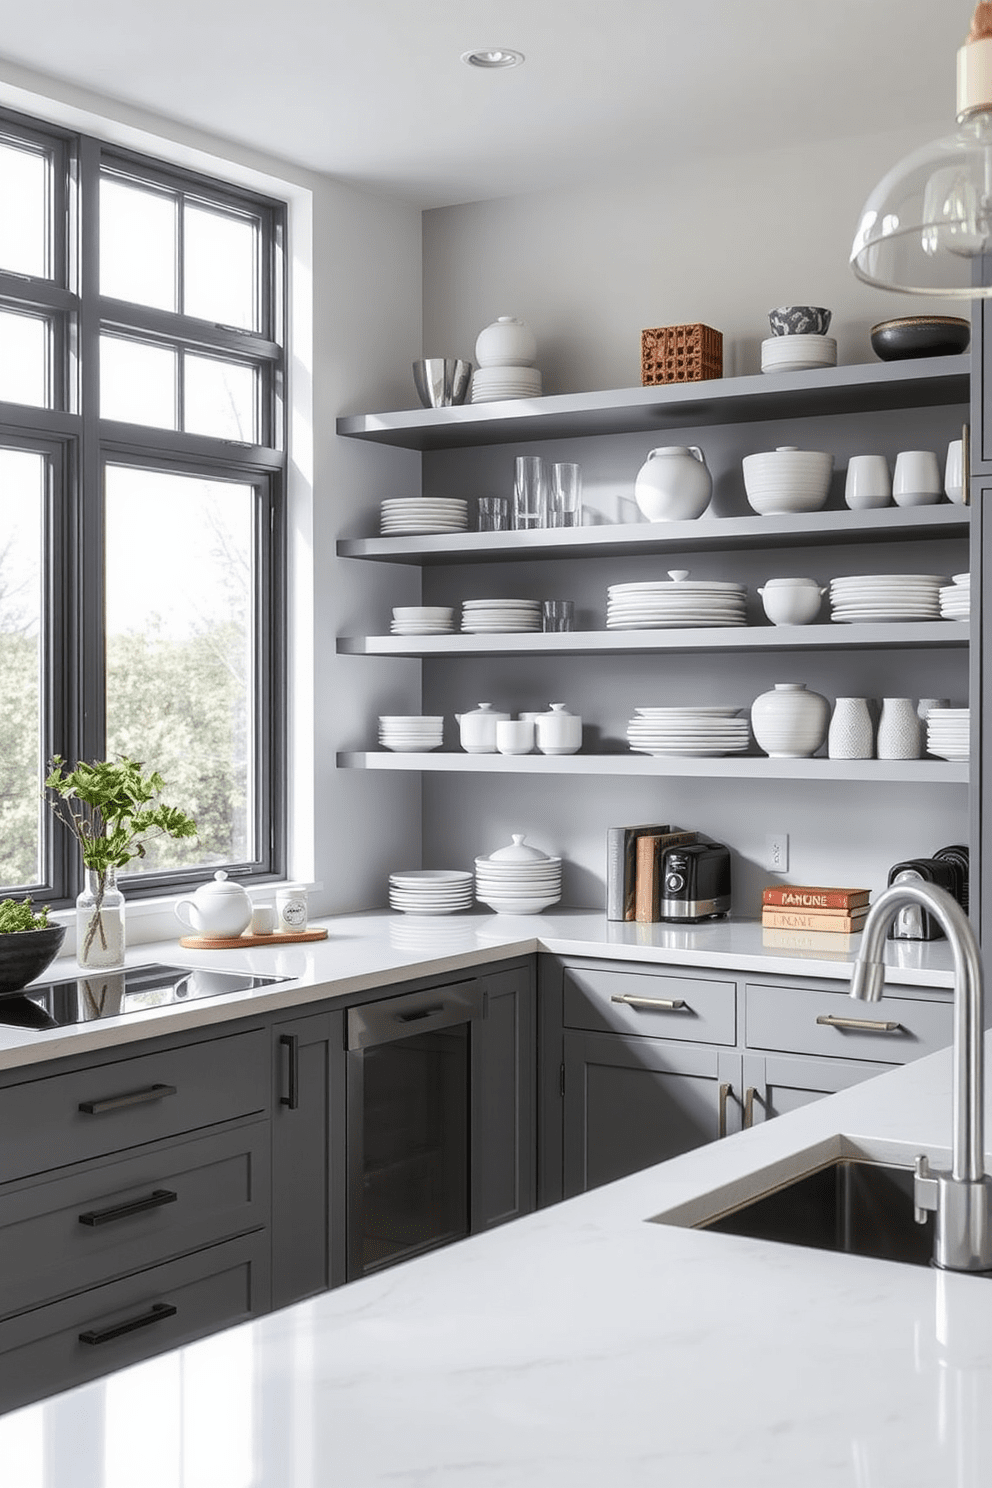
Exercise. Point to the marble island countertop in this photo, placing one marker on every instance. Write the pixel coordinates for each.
(378, 949)
(582, 1346)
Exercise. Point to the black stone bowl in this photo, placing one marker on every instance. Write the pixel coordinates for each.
(24, 954)
(920, 336)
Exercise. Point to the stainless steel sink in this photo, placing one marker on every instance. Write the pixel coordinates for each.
(860, 1208)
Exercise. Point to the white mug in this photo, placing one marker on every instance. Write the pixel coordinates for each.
(916, 480)
(291, 907)
(263, 920)
(868, 482)
(515, 736)
(953, 471)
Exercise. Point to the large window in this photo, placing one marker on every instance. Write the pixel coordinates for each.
(142, 465)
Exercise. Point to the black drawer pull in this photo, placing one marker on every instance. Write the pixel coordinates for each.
(291, 1042)
(430, 1012)
(157, 1313)
(154, 1200)
(133, 1098)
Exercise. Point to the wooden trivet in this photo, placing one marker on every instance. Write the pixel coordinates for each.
(241, 942)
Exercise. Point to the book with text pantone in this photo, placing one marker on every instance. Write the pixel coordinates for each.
(809, 896)
(800, 919)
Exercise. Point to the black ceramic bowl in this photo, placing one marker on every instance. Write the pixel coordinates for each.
(920, 336)
(24, 954)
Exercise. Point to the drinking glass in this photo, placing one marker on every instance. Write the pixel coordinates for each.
(566, 493)
(530, 492)
(494, 514)
(558, 614)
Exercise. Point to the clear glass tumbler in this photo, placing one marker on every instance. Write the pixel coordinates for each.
(530, 492)
(565, 504)
(494, 514)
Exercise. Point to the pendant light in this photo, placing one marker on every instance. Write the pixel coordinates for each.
(927, 226)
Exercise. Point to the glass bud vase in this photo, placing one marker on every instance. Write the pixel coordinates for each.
(100, 920)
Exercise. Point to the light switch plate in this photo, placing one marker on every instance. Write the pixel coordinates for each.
(777, 851)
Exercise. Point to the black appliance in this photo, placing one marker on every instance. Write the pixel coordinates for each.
(109, 994)
(947, 872)
(695, 882)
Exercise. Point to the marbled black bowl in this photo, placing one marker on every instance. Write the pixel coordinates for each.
(920, 336)
(24, 954)
(799, 320)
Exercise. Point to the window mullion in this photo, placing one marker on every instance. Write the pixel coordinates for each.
(91, 708)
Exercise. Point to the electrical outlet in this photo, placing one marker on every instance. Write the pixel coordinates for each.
(777, 852)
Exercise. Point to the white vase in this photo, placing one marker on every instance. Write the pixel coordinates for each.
(900, 732)
(851, 734)
(673, 484)
(789, 722)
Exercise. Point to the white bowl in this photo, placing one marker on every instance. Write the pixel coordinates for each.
(787, 480)
(518, 906)
(793, 602)
(422, 612)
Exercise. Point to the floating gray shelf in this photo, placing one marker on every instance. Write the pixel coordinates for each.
(725, 767)
(865, 388)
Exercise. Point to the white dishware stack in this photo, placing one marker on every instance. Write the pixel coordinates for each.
(430, 891)
(411, 734)
(518, 879)
(414, 620)
(799, 340)
(410, 516)
(881, 597)
(955, 598)
(680, 603)
(948, 733)
(690, 730)
(501, 616)
(505, 352)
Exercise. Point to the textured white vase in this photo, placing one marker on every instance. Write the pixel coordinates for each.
(851, 734)
(789, 722)
(900, 733)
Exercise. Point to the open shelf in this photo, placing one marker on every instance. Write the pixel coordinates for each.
(831, 637)
(725, 767)
(864, 388)
(705, 534)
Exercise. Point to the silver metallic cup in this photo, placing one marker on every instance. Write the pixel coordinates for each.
(441, 382)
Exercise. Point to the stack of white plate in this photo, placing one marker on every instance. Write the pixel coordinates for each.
(798, 353)
(868, 597)
(955, 600)
(947, 732)
(412, 620)
(651, 605)
(518, 879)
(405, 516)
(689, 730)
(410, 734)
(493, 384)
(500, 616)
(430, 891)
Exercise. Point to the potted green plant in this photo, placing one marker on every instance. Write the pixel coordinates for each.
(28, 943)
(112, 809)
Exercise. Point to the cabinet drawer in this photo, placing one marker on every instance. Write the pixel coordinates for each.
(786, 1018)
(67, 1343)
(109, 1107)
(637, 1002)
(89, 1227)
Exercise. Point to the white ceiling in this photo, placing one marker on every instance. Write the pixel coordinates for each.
(373, 91)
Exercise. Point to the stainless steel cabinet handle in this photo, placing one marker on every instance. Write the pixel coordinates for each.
(132, 1098)
(155, 1200)
(659, 1004)
(858, 1025)
(156, 1314)
(725, 1090)
(750, 1096)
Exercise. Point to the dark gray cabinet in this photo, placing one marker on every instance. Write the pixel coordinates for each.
(503, 1111)
(308, 1151)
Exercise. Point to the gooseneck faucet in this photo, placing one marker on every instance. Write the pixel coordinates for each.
(962, 1199)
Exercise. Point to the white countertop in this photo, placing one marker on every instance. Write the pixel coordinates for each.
(379, 949)
(581, 1347)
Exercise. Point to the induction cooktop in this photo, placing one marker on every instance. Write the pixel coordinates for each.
(109, 994)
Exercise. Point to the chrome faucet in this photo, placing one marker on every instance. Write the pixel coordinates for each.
(961, 1199)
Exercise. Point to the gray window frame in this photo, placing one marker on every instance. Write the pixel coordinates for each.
(79, 444)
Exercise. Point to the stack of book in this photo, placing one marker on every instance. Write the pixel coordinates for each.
(634, 869)
(812, 910)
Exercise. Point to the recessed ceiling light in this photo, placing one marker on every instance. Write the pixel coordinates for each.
(493, 57)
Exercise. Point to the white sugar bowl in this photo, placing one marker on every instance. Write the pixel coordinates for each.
(477, 730)
(220, 909)
(791, 601)
(558, 731)
(508, 342)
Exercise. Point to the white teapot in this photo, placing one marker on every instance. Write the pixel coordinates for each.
(220, 909)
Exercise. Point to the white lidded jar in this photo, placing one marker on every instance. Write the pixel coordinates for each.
(477, 730)
(558, 731)
(220, 909)
(789, 722)
(508, 342)
(673, 484)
